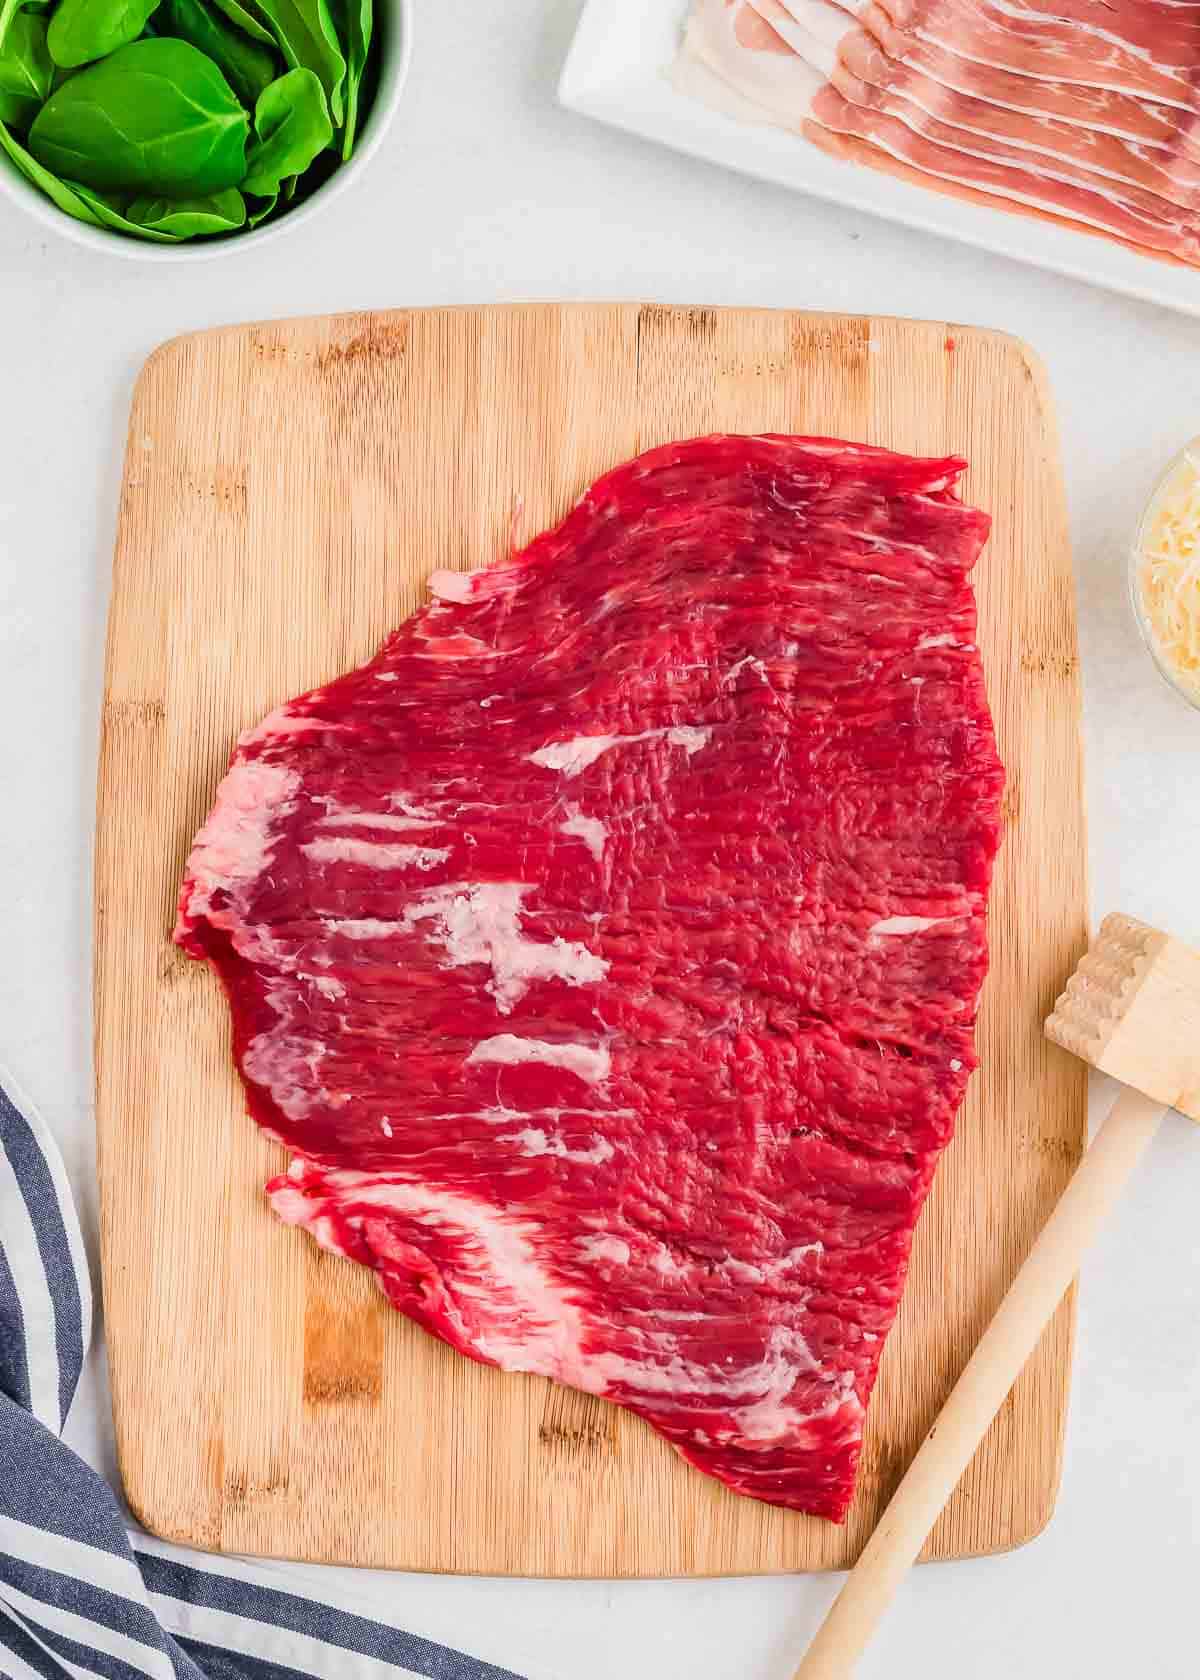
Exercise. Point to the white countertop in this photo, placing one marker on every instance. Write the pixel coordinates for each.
(486, 191)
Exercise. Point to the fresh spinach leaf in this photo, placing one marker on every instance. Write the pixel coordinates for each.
(26, 70)
(54, 189)
(8, 11)
(83, 30)
(246, 21)
(246, 65)
(185, 218)
(291, 125)
(355, 20)
(304, 32)
(109, 210)
(259, 212)
(156, 116)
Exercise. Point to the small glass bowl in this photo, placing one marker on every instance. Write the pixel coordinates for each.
(1188, 456)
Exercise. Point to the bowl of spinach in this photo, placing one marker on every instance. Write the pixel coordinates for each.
(171, 128)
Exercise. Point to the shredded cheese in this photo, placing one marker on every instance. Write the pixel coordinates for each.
(1168, 573)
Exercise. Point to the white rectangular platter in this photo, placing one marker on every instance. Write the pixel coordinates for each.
(617, 72)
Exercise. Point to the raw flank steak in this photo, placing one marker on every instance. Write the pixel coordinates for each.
(606, 950)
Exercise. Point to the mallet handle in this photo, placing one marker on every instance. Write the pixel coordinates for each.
(980, 1391)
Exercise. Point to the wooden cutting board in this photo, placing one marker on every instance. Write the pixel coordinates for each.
(287, 488)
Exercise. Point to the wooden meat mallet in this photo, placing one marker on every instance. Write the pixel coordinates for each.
(1131, 1009)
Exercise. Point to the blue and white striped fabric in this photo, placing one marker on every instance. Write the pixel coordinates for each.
(79, 1594)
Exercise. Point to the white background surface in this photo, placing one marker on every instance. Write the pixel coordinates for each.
(486, 191)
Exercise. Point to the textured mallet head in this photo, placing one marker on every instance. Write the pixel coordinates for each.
(1132, 1009)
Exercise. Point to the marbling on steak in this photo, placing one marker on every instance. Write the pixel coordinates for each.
(606, 950)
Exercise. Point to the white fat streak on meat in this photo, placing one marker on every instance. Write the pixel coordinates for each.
(739, 1271)
(615, 1249)
(948, 640)
(410, 814)
(235, 845)
(533, 1141)
(755, 1394)
(537, 1325)
(498, 1115)
(573, 756)
(286, 1062)
(361, 927)
(588, 829)
(338, 816)
(445, 585)
(451, 588)
(777, 85)
(756, 665)
(774, 1270)
(283, 722)
(458, 646)
(498, 1255)
(690, 737)
(479, 922)
(772, 1420)
(691, 76)
(895, 925)
(812, 29)
(588, 1061)
(544, 1334)
(399, 802)
(374, 854)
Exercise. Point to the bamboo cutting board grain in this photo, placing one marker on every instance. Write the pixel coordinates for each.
(287, 488)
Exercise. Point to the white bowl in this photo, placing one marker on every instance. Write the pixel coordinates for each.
(394, 22)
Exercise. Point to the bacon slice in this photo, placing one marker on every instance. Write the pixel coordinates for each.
(940, 152)
(1085, 116)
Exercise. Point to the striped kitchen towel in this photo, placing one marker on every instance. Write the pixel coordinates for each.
(79, 1594)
